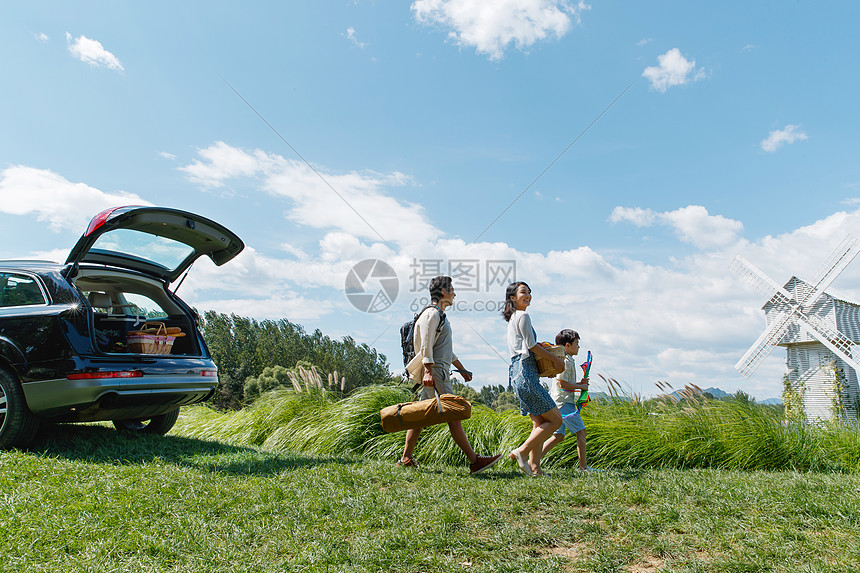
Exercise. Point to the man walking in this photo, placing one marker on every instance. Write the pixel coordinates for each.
(434, 356)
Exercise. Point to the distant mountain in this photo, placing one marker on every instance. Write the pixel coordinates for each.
(722, 395)
(715, 392)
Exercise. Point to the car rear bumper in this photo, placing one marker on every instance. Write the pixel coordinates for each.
(92, 399)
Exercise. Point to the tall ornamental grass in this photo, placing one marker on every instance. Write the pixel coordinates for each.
(702, 433)
(623, 432)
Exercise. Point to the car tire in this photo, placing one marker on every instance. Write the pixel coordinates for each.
(18, 425)
(157, 425)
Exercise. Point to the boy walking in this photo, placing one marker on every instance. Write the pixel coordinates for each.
(562, 393)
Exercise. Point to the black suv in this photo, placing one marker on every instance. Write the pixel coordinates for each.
(66, 354)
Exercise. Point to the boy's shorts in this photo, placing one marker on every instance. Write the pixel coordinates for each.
(571, 420)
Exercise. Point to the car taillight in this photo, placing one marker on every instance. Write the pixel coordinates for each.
(102, 217)
(209, 373)
(99, 220)
(106, 374)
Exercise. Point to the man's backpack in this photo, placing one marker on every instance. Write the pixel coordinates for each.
(407, 334)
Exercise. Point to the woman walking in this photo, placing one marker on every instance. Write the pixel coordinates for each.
(535, 401)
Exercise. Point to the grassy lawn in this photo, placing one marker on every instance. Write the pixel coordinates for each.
(87, 499)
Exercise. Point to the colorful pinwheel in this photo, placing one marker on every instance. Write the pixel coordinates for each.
(583, 395)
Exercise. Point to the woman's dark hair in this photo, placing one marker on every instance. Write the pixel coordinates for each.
(510, 307)
(437, 285)
(566, 336)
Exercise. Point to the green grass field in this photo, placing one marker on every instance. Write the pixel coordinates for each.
(86, 498)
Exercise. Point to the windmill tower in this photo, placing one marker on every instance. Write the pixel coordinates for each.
(819, 331)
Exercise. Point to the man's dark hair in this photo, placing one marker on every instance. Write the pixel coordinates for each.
(437, 285)
(566, 336)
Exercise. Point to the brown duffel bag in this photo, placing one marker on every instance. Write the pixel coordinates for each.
(441, 409)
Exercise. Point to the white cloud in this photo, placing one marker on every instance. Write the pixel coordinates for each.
(166, 155)
(54, 199)
(673, 70)
(295, 251)
(92, 52)
(693, 224)
(353, 202)
(54, 255)
(289, 305)
(695, 317)
(685, 322)
(222, 162)
(644, 322)
(42, 37)
(636, 215)
(490, 27)
(779, 137)
(350, 35)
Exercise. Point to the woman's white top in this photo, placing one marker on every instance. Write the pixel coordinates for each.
(521, 335)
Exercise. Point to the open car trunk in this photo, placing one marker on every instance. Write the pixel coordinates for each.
(123, 303)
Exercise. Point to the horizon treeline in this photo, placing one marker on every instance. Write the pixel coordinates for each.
(243, 347)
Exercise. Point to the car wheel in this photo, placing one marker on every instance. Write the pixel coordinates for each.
(158, 425)
(18, 425)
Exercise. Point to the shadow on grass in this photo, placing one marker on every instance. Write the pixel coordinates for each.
(630, 474)
(104, 445)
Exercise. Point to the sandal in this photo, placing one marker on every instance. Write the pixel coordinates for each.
(409, 463)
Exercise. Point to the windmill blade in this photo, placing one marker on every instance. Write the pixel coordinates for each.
(762, 347)
(751, 275)
(831, 268)
(779, 297)
(837, 342)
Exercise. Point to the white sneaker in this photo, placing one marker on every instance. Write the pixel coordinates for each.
(522, 462)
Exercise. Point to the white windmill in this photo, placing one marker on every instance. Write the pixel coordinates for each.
(820, 332)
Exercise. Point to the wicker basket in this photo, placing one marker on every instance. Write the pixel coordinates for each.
(545, 367)
(151, 339)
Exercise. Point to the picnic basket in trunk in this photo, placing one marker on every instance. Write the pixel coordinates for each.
(153, 338)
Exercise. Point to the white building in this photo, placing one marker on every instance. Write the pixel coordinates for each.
(823, 382)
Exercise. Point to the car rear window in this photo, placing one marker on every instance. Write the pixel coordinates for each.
(161, 251)
(19, 290)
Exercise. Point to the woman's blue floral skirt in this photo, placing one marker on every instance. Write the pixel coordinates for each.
(534, 399)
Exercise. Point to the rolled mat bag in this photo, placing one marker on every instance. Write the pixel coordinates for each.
(441, 409)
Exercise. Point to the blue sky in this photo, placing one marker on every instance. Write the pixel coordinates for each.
(401, 131)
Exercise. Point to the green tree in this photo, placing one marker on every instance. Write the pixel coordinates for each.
(466, 392)
(506, 401)
(489, 393)
(270, 378)
(243, 347)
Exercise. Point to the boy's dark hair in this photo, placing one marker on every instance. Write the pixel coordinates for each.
(566, 336)
(437, 285)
